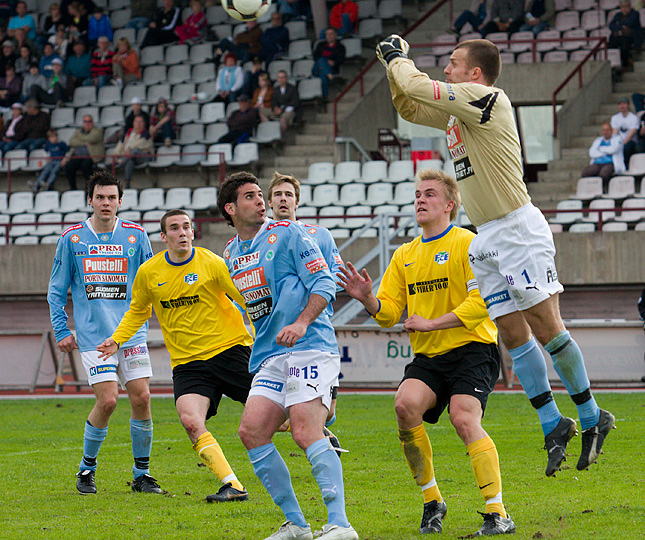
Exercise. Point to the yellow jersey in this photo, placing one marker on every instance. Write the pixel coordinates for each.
(197, 318)
(432, 277)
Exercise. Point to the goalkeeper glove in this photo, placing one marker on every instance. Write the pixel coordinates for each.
(390, 48)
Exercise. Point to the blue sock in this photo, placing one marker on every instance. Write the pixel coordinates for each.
(92, 441)
(331, 421)
(570, 366)
(272, 471)
(530, 368)
(328, 472)
(141, 434)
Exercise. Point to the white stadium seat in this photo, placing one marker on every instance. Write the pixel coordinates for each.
(151, 199)
(203, 198)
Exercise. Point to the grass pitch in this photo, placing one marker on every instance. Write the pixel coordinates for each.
(41, 444)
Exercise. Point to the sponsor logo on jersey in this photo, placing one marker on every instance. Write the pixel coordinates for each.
(455, 142)
(278, 224)
(497, 298)
(134, 351)
(308, 253)
(132, 239)
(272, 238)
(316, 265)
(105, 278)
(127, 225)
(106, 249)
(273, 385)
(463, 169)
(451, 92)
(436, 90)
(244, 261)
(312, 231)
(481, 256)
(191, 278)
(131, 252)
(250, 279)
(107, 292)
(256, 294)
(551, 275)
(179, 302)
(269, 255)
(260, 309)
(72, 228)
(115, 265)
(98, 370)
(75, 238)
(427, 286)
(227, 254)
(441, 257)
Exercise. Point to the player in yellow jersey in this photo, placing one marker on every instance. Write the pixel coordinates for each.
(204, 332)
(513, 255)
(456, 360)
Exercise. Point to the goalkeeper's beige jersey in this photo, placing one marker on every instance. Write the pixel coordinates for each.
(432, 276)
(197, 318)
(481, 132)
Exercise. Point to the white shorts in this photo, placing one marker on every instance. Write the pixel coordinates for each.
(127, 364)
(297, 377)
(513, 259)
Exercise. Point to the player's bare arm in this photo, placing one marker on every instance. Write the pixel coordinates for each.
(290, 334)
(358, 286)
(416, 323)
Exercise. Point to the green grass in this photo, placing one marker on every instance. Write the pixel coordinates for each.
(41, 440)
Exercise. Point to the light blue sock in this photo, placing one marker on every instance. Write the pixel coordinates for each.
(530, 368)
(92, 441)
(331, 421)
(272, 471)
(570, 366)
(141, 433)
(328, 472)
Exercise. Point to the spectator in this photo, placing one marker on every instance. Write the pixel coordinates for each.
(8, 56)
(34, 77)
(640, 138)
(639, 102)
(31, 131)
(59, 41)
(251, 78)
(88, 6)
(78, 21)
(230, 79)
(8, 141)
(141, 13)
(10, 87)
(245, 45)
(505, 16)
(136, 147)
(328, 57)
(56, 84)
(53, 20)
(46, 60)
(625, 124)
(20, 38)
(125, 63)
(606, 153)
(263, 95)
(626, 32)
(22, 20)
(77, 67)
(275, 39)
(136, 110)
(540, 15)
(241, 122)
(284, 103)
(86, 149)
(194, 29)
(57, 151)
(163, 124)
(343, 18)
(101, 64)
(294, 9)
(24, 61)
(475, 16)
(99, 25)
(162, 29)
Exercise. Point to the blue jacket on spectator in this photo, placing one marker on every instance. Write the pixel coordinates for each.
(102, 27)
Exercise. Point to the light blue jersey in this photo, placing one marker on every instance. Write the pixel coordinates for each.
(276, 272)
(100, 269)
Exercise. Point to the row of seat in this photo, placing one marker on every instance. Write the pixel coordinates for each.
(620, 187)
(368, 172)
(611, 226)
(632, 210)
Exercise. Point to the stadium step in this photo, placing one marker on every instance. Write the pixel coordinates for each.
(628, 88)
(565, 164)
(579, 148)
(316, 152)
(313, 139)
(286, 163)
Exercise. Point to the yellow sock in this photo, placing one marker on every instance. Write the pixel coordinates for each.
(485, 463)
(213, 457)
(418, 453)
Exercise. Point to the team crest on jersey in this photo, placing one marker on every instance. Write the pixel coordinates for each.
(131, 252)
(105, 237)
(227, 254)
(244, 261)
(132, 239)
(106, 249)
(441, 257)
(191, 278)
(272, 239)
(312, 231)
(75, 238)
(269, 255)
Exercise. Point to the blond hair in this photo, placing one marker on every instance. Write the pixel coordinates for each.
(279, 178)
(450, 188)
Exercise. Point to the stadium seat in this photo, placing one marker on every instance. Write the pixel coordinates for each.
(564, 218)
(201, 53)
(130, 199)
(37, 160)
(331, 222)
(22, 230)
(278, 65)
(640, 226)
(72, 201)
(609, 4)
(297, 29)
(178, 74)
(614, 227)
(3, 202)
(401, 170)
(203, 198)
(211, 112)
(462, 219)
(216, 14)
(26, 240)
(620, 187)
(151, 56)
(51, 239)
(52, 217)
(573, 45)
(429, 164)
(369, 28)
(521, 47)
(339, 234)
(267, 132)
(498, 38)
(507, 58)
(567, 20)
(46, 201)
(112, 116)
(449, 167)
(244, 154)
(593, 19)
(62, 117)
(379, 193)
(353, 48)
(155, 237)
(182, 93)
(637, 169)
(584, 5)
(404, 193)
(579, 56)
(450, 40)
(177, 197)
(84, 111)
(305, 194)
(347, 171)
(320, 172)
(613, 55)
(588, 188)
(527, 58)
(324, 195)
(14, 160)
(151, 199)
(215, 152)
(176, 54)
(549, 45)
(373, 171)
(367, 9)
(598, 32)
(192, 154)
(352, 194)
(582, 228)
(632, 215)
(109, 95)
(555, 56)
(120, 18)
(154, 74)
(154, 217)
(223, 30)
(389, 9)
(555, 228)
(231, 107)
(167, 156)
(187, 113)
(65, 134)
(131, 91)
(84, 95)
(203, 72)
(130, 215)
(426, 61)
(74, 217)
(309, 89)
(190, 134)
(214, 132)
(308, 215)
(299, 48)
(128, 33)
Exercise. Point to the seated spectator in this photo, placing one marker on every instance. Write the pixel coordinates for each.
(31, 131)
(194, 28)
(640, 137)
(162, 29)
(8, 136)
(505, 16)
(284, 103)
(23, 20)
(475, 16)
(46, 60)
(606, 155)
(34, 77)
(241, 123)
(99, 25)
(294, 9)
(275, 40)
(20, 38)
(639, 102)
(136, 148)
(88, 6)
(101, 64)
(77, 67)
(328, 57)
(625, 124)
(540, 15)
(7, 57)
(57, 151)
(245, 45)
(56, 84)
(141, 13)
(125, 63)
(24, 61)
(230, 79)
(53, 20)
(626, 32)
(136, 109)
(251, 77)
(78, 21)
(263, 95)
(163, 126)
(59, 41)
(86, 149)
(10, 87)
(343, 18)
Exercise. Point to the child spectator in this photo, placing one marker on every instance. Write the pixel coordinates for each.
(195, 26)
(57, 151)
(33, 78)
(59, 41)
(99, 25)
(163, 126)
(125, 63)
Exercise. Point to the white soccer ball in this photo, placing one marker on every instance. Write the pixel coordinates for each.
(246, 10)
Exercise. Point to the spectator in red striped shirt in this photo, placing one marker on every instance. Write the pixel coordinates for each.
(101, 66)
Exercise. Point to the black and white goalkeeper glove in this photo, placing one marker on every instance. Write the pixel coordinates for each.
(390, 48)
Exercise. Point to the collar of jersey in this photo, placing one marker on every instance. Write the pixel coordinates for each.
(181, 263)
(441, 235)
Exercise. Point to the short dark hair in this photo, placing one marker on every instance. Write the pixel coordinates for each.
(229, 189)
(170, 213)
(483, 54)
(103, 178)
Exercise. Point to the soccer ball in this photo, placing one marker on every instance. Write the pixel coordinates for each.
(246, 10)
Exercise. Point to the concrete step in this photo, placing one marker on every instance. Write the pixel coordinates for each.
(297, 172)
(566, 164)
(590, 131)
(608, 108)
(319, 152)
(579, 148)
(598, 119)
(628, 88)
(556, 177)
(315, 128)
(289, 162)
(635, 76)
(313, 139)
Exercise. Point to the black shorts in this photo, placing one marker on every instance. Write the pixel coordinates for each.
(472, 369)
(227, 373)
